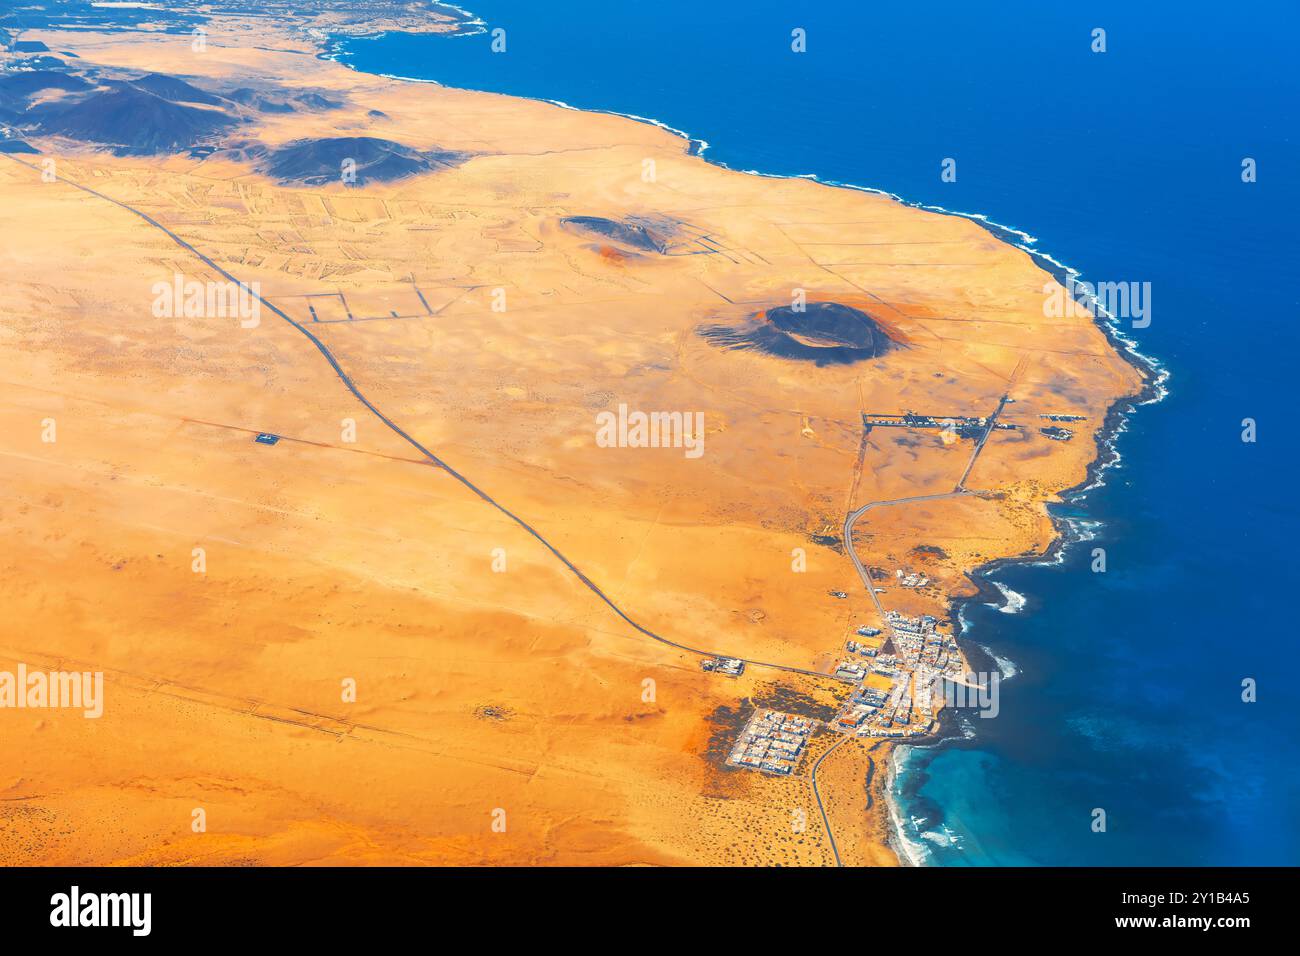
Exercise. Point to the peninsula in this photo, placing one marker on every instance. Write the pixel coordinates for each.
(340, 531)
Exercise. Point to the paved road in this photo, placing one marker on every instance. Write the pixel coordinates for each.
(960, 489)
(352, 387)
(988, 430)
(409, 439)
(852, 519)
(835, 850)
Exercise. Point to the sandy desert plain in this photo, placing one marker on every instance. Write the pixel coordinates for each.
(491, 681)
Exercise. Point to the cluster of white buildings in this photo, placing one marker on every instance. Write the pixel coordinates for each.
(911, 579)
(924, 642)
(923, 653)
(772, 742)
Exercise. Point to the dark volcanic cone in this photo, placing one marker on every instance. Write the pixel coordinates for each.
(134, 121)
(18, 89)
(624, 232)
(826, 333)
(20, 86)
(174, 89)
(316, 162)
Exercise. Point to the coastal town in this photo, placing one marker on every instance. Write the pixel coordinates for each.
(896, 689)
(900, 674)
(898, 681)
(388, 513)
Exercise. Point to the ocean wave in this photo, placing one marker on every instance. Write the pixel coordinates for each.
(943, 837)
(468, 20)
(1013, 602)
(1006, 667)
(966, 725)
(910, 851)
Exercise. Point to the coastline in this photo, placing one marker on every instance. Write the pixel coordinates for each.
(1092, 457)
(1067, 530)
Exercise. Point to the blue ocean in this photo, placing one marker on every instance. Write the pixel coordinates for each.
(1127, 166)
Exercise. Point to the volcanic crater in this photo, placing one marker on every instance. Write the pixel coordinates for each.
(825, 333)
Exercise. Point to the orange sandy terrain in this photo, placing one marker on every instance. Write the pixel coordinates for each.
(492, 684)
